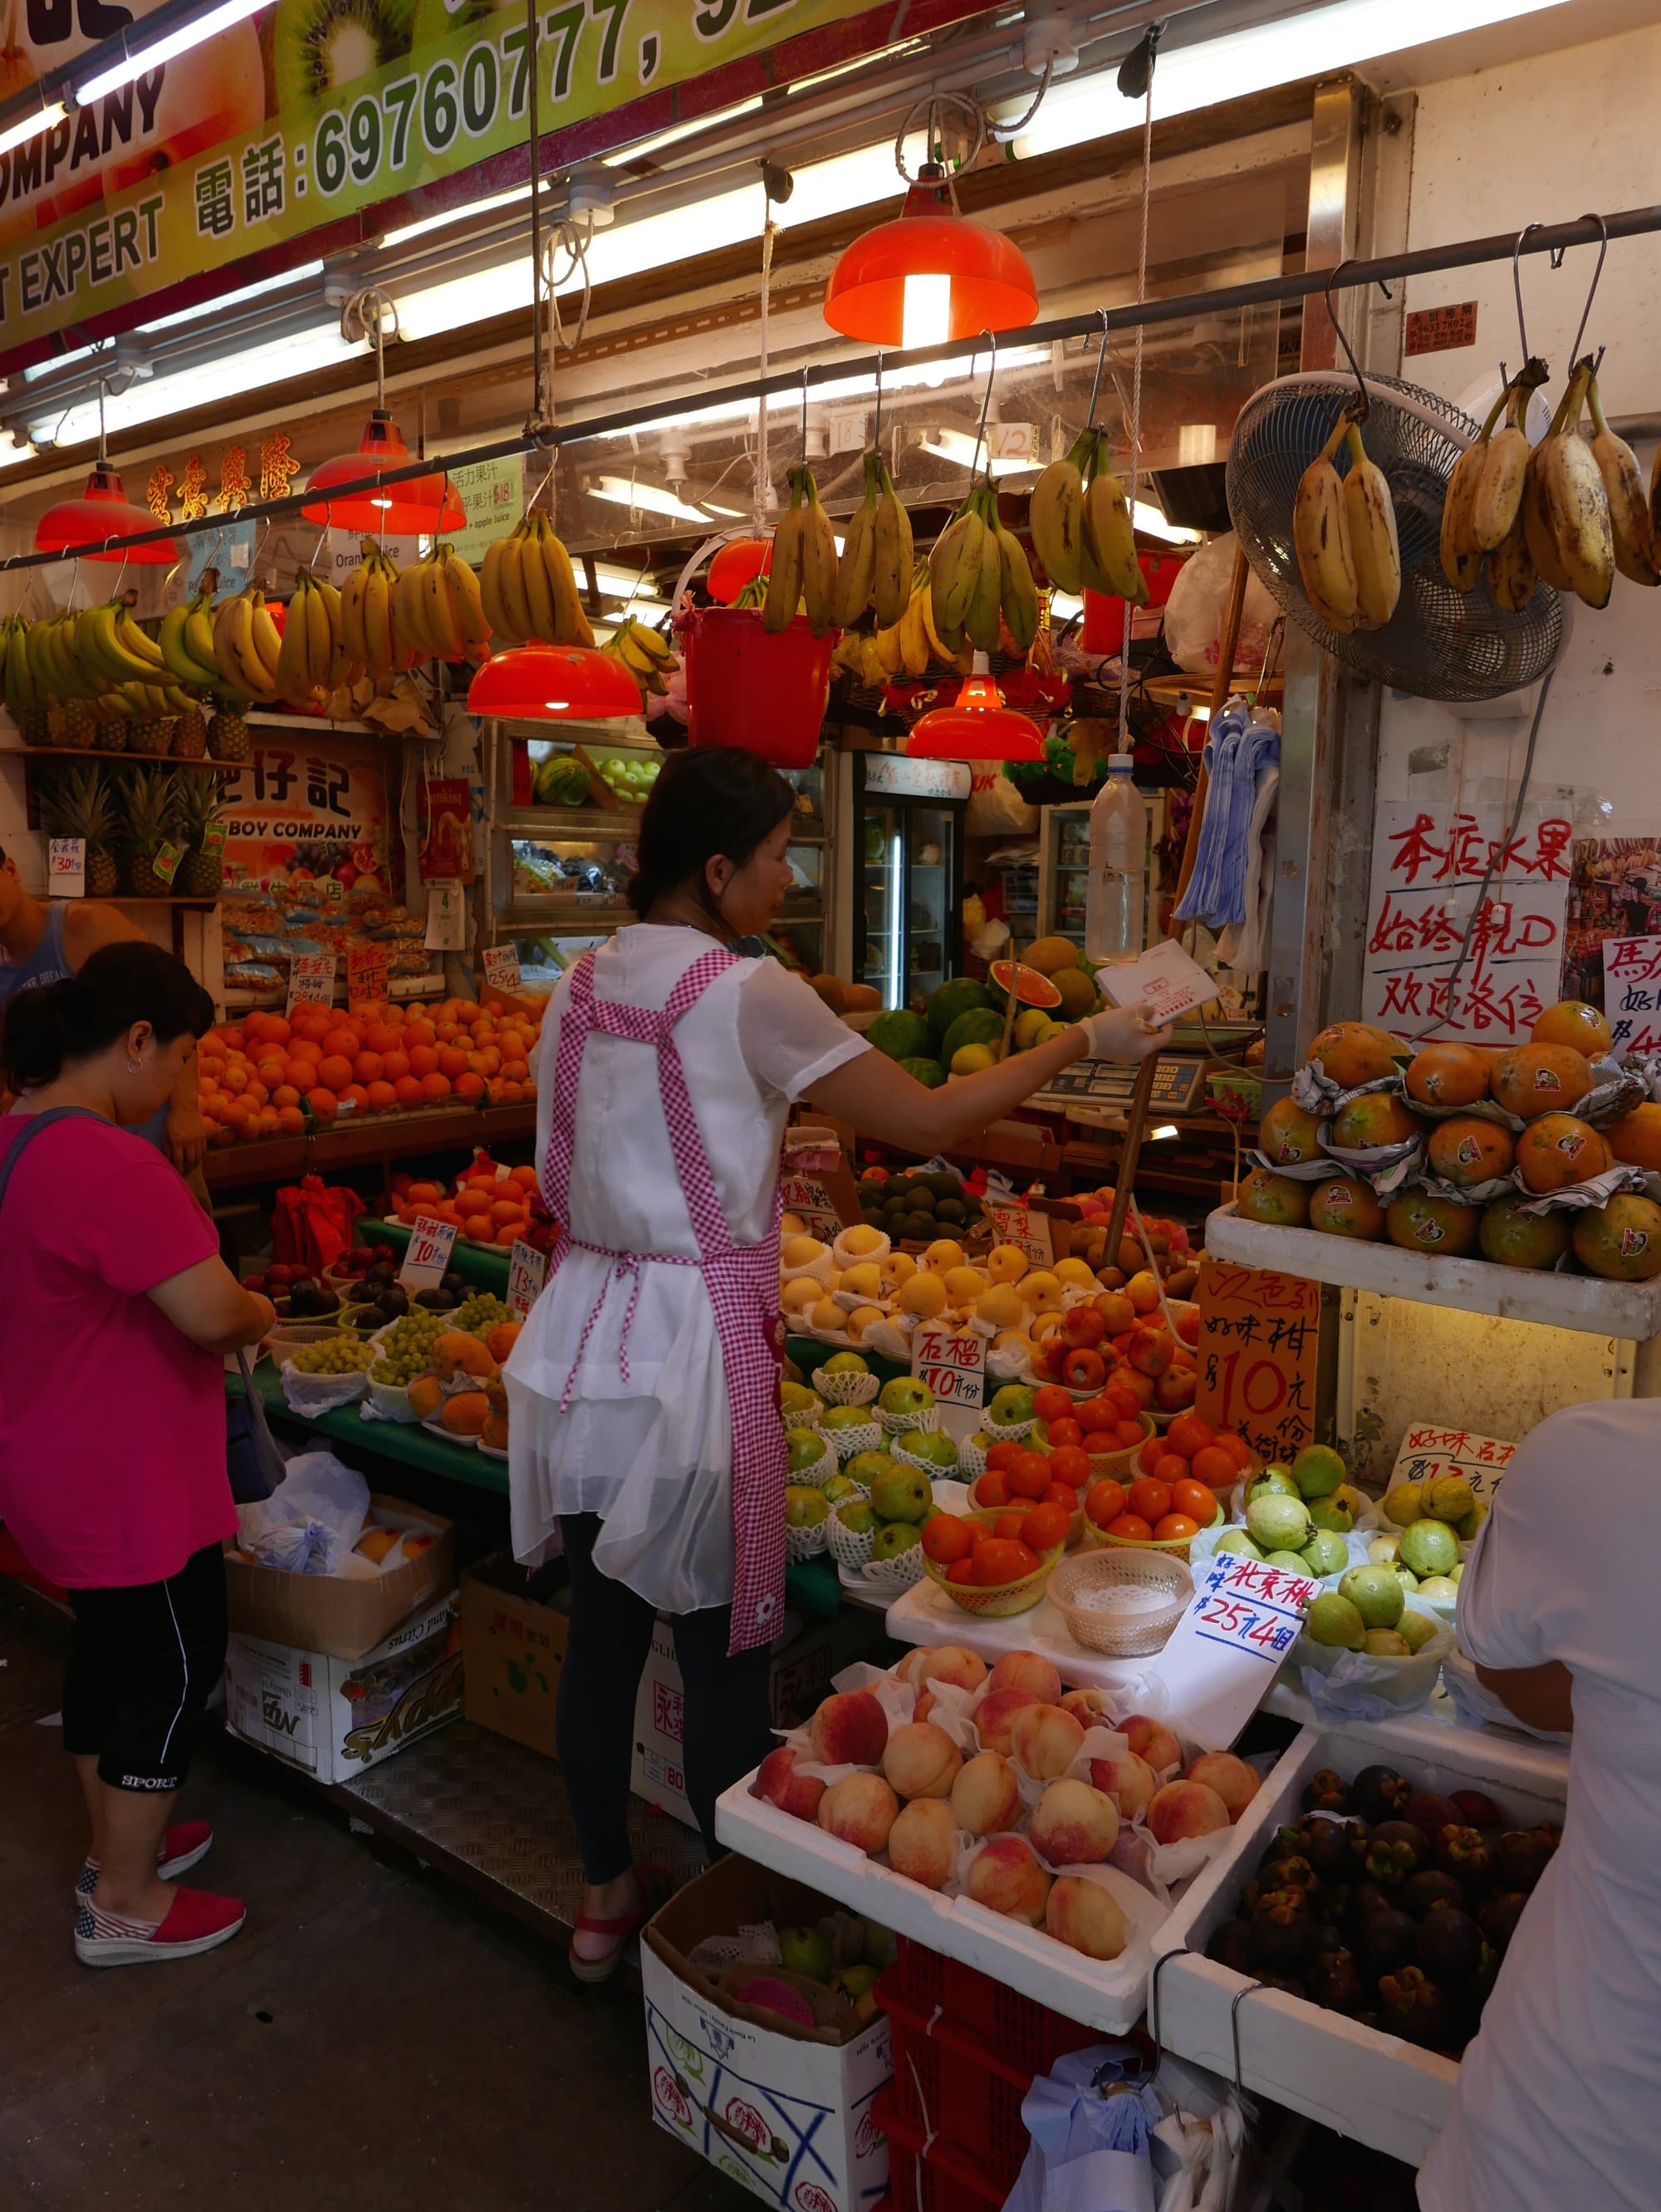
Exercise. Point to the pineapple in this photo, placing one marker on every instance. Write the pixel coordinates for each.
(80, 724)
(35, 725)
(151, 736)
(189, 737)
(227, 735)
(200, 874)
(112, 733)
(80, 807)
(152, 821)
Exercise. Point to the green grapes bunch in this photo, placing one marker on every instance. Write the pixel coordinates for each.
(480, 1311)
(335, 1355)
(406, 1347)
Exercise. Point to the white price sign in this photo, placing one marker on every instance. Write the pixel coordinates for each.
(66, 867)
(428, 1253)
(1013, 1222)
(501, 967)
(1429, 1450)
(954, 1366)
(312, 980)
(1223, 1654)
(527, 1271)
(807, 1197)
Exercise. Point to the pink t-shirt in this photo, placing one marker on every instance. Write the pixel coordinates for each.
(111, 1423)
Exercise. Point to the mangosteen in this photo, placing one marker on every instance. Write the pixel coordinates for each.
(1478, 1810)
(1521, 1856)
(1287, 1985)
(1466, 1853)
(1450, 1947)
(1329, 1938)
(1416, 2008)
(1371, 1897)
(1283, 1937)
(1231, 1947)
(1326, 1792)
(1551, 1830)
(1335, 1981)
(1395, 1850)
(1499, 1913)
(1430, 1888)
(1380, 1793)
(1334, 1848)
(1386, 1942)
(1426, 1810)
(1291, 1871)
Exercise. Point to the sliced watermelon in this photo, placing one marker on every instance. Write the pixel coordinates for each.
(1030, 989)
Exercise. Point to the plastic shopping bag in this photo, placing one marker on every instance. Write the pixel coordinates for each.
(312, 1223)
(1092, 2126)
(312, 1520)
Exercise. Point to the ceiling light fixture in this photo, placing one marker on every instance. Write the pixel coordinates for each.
(977, 726)
(960, 450)
(930, 275)
(80, 527)
(193, 32)
(553, 683)
(415, 506)
(31, 127)
(649, 499)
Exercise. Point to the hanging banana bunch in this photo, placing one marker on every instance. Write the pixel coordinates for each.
(1320, 537)
(1370, 518)
(186, 641)
(954, 569)
(110, 649)
(647, 655)
(1056, 514)
(246, 646)
(528, 588)
(366, 612)
(1107, 537)
(20, 680)
(782, 592)
(1566, 510)
(1018, 593)
(1630, 521)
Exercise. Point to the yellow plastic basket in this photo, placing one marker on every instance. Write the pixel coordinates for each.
(1003, 1600)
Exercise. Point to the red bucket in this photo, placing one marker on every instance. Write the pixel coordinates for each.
(765, 693)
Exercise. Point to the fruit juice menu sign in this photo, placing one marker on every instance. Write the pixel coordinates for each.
(303, 117)
(1258, 1348)
(1429, 870)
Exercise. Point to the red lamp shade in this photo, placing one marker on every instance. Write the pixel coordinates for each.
(553, 683)
(419, 507)
(930, 275)
(976, 726)
(103, 510)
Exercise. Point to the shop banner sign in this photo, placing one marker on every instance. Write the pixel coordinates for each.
(306, 116)
(297, 811)
(426, 1254)
(1427, 873)
(1257, 1356)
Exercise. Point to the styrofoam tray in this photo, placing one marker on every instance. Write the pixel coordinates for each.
(925, 1614)
(1369, 2086)
(1500, 1758)
(1103, 1994)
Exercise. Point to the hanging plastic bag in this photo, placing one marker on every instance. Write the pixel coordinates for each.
(997, 808)
(1199, 597)
(312, 1223)
(1092, 2126)
(312, 1520)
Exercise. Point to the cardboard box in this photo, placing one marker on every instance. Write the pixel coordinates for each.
(789, 2115)
(802, 1673)
(331, 1718)
(329, 1615)
(513, 1640)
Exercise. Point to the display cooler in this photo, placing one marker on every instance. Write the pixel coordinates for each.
(1063, 867)
(900, 871)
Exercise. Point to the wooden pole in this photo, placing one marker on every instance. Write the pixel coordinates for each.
(1220, 691)
(1125, 1179)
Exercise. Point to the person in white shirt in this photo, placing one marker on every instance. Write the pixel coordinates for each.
(643, 1390)
(1556, 2109)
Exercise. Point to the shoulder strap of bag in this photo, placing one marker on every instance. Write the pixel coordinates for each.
(32, 1129)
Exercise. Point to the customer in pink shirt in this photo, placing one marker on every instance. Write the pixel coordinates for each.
(116, 1311)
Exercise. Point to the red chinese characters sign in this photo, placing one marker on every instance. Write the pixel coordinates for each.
(1428, 871)
(1632, 992)
(1258, 1351)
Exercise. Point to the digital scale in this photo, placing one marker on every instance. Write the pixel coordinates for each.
(1102, 1086)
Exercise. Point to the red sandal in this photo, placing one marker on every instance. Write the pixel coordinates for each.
(657, 1887)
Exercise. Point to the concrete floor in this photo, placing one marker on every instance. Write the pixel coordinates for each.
(373, 2039)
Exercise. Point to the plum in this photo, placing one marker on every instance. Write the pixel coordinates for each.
(1283, 1936)
(1417, 2007)
(1521, 1856)
(1499, 1913)
(1326, 1792)
(1386, 1942)
(1450, 1946)
(1395, 1850)
(1380, 1793)
(1478, 1810)
(1335, 1981)
(1431, 1887)
(1432, 1812)
(1231, 1947)
(1466, 1853)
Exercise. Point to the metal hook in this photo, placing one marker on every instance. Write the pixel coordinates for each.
(1574, 351)
(1095, 388)
(1363, 406)
(980, 435)
(1516, 282)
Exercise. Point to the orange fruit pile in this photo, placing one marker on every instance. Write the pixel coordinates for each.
(487, 1205)
(267, 1076)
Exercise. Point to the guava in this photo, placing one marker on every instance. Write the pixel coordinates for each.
(1406, 1577)
(1466, 1529)
(902, 1493)
(1274, 1481)
(1430, 1547)
(1438, 1590)
(1447, 1497)
(803, 1448)
(856, 1517)
(1290, 1562)
(1404, 1504)
(804, 1506)
(1386, 1644)
(1332, 1620)
(1417, 1629)
(1327, 1513)
(1278, 1523)
(846, 1363)
(1317, 1471)
(931, 1444)
(807, 1951)
(1326, 1552)
(1383, 1551)
(1375, 1593)
(1456, 1572)
(1238, 1540)
(1012, 1405)
(905, 1397)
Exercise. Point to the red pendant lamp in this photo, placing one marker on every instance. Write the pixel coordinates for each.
(80, 527)
(553, 683)
(976, 726)
(930, 275)
(418, 506)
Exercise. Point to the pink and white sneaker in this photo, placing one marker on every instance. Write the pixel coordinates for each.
(179, 1850)
(196, 1921)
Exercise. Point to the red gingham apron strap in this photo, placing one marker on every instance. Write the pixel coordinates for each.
(576, 1019)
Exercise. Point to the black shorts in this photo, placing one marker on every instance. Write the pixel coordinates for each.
(142, 1663)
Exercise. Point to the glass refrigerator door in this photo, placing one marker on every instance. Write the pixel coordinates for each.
(881, 892)
(929, 918)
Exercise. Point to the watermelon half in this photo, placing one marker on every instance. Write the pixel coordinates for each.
(1030, 987)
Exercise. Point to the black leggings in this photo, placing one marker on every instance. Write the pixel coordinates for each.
(143, 1660)
(728, 1718)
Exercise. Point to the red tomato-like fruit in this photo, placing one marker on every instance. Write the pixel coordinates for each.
(1045, 1527)
(1068, 1466)
(1083, 1369)
(1053, 1403)
(1006, 1454)
(1132, 1525)
(1236, 1448)
(1061, 1493)
(1105, 1502)
(1169, 1469)
(1191, 1497)
(1152, 1453)
(1096, 1415)
(1216, 1467)
(1065, 1432)
(1007, 1525)
(1125, 1402)
(947, 1538)
(1128, 1433)
(1029, 1477)
(1084, 1325)
(992, 1490)
(997, 1561)
(1151, 1497)
(1175, 1528)
(962, 1571)
(1188, 1434)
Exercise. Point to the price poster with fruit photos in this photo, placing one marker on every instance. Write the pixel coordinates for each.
(1257, 1353)
(1427, 899)
(296, 810)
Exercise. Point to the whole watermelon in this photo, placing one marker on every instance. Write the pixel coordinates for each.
(900, 1034)
(980, 1026)
(929, 1073)
(962, 996)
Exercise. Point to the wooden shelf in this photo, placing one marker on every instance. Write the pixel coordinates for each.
(368, 1137)
(120, 898)
(567, 824)
(97, 753)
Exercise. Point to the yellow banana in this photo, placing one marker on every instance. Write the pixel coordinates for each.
(1499, 489)
(352, 633)
(818, 559)
(1629, 503)
(137, 642)
(491, 593)
(980, 622)
(1536, 529)
(1512, 575)
(954, 572)
(1370, 516)
(1461, 556)
(895, 554)
(1017, 594)
(856, 567)
(537, 588)
(438, 609)
(1056, 515)
(1109, 531)
(470, 605)
(923, 598)
(322, 625)
(294, 674)
(378, 620)
(410, 629)
(264, 632)
(1320, 537)
(783, 590)
(913, 636)
(570, 622)
(1572, 501)
(199, 629)
(889, 650)
(517, 549)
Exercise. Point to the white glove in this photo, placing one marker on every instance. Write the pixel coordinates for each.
(1123, 1034)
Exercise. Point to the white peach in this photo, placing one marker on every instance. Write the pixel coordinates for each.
(942, 1663)
(1178, 1811)
(1028, 1670)
(922, 1842)
(985, 1795)
(1045, 1740)
(860, 1809)
(1087, 1916)
(849, 1729)
(921, 1761)
(1130, 1782)
(777, 1782)
(1152, 1741)
(1006, 1877)
(1235, 1781)
(1073, 1825)
(995, 1717)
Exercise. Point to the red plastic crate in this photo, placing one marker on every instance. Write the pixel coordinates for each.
(938, 2179)
(1026, 2036)
(918, 1975)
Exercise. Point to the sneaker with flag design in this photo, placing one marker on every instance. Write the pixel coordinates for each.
(196, 1921)
(182, 1847)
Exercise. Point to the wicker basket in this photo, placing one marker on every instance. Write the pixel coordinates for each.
(1119, 1464)
(1174, 1548)
(1076, 1525)
(1128, 1635)
(1003, 1600)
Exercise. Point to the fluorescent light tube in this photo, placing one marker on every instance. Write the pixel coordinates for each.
(131, 66)
(644, 498)
(31, 127)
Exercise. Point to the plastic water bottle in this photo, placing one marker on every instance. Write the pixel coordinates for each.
(1115, 895)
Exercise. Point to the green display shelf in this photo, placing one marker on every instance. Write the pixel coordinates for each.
(487, 1269)
(406, 1442)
